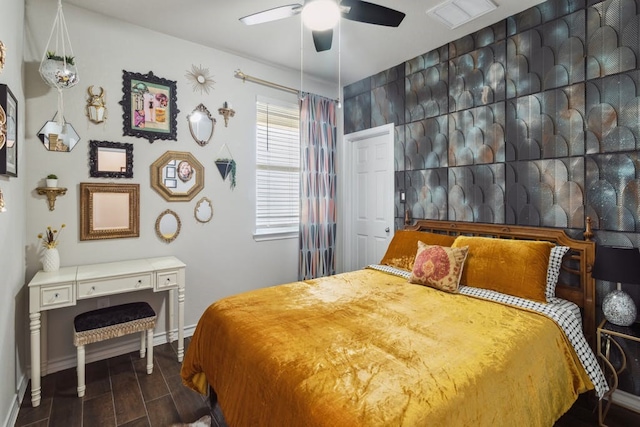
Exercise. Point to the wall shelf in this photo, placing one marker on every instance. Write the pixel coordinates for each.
(52, 193)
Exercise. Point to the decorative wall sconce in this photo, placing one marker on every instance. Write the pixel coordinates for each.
(52, 193)
(96, 106)
(2, 204)
(226, 111)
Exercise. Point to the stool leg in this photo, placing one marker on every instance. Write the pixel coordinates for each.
(81, 386)
(150, 351)
(143, 346)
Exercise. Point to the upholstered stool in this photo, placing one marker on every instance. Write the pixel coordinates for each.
(111, 322)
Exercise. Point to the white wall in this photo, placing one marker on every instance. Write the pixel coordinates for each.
(13, 313)
(222, 258)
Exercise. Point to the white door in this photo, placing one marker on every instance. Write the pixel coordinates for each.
(368, 195)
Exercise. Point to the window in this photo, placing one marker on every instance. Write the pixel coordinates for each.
(277, 169)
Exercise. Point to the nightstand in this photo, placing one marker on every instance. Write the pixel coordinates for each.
(605, 333)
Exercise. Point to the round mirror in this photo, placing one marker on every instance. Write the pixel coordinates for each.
(201, 124)
(168, 226)
(203, 210)
(177, 176)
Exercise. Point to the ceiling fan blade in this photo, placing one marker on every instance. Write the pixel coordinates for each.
(370, 13)
(322, 39)
(272, 14)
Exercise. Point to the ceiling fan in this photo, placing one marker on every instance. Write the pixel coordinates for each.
(353, 10)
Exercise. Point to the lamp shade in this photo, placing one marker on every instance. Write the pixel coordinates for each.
(614, 264)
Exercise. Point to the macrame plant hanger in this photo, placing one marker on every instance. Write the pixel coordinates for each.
(57, 67)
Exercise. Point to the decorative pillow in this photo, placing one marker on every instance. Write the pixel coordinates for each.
(439, 267)
(514, 267)
(402, 249)
(553, 270)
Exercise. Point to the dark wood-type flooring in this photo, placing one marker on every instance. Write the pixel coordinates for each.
(120, 393)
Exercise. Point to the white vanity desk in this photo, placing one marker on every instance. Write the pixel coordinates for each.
(63, 288)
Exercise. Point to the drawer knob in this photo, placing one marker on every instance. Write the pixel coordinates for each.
(168, 280)
(139, 283)
(56, 295)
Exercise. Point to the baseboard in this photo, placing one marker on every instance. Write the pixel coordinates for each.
(70, 362)
(626, 400)
(12, 416)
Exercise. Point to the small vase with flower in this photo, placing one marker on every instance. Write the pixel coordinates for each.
(50, 257)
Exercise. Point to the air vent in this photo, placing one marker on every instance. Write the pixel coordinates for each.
(454, 13)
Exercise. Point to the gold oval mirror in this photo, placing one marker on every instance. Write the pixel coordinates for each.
(168, 226)
(203, 210)
(177, 176)
(201, 124)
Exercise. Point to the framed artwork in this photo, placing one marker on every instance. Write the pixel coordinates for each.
(8, 132)
(149, 106)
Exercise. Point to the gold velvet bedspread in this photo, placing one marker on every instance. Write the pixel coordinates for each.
(367, 348)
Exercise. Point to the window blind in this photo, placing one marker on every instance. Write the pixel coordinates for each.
(277, 167)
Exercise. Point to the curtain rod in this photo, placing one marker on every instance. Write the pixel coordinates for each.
(245, 77)
(240, 75)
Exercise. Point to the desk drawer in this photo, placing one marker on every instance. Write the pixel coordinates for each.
(56, 296)
(114, 286)
(167, 280)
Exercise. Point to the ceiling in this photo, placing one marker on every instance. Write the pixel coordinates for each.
(365, 49)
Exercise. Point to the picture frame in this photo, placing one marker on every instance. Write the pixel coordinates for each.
(8, 132)
(110, 159)
(109, 211)
(149, 106)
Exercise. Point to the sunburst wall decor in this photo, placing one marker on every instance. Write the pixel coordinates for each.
(200, 79)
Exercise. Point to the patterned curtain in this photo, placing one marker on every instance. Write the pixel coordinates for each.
(317, 187)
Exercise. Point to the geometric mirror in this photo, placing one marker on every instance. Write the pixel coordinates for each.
(177, 176)
(58, 137)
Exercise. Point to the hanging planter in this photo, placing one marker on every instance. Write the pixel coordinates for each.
(58, 67)
(59, 72)
(226, 167)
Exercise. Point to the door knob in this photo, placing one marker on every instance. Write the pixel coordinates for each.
(386, 230)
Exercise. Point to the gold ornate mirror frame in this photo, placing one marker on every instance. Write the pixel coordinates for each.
(165, 231)
(109, 211)
(177, 176)
(203, 212)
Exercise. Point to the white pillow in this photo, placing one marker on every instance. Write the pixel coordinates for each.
(553, 270)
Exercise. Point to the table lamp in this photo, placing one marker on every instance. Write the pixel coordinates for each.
(620, 265)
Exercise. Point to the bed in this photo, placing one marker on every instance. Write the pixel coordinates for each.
(380, 346)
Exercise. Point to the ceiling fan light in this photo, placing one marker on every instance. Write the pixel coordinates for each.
(320, 15)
